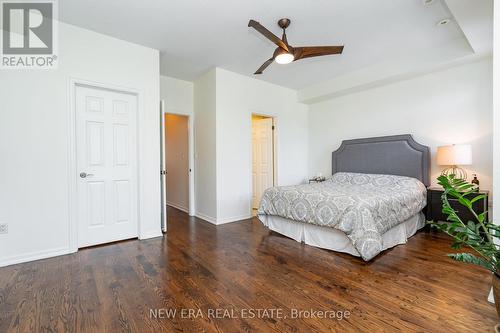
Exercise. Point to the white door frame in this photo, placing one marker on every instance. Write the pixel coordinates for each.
(73, 168)
(176, 112)
(275, 152)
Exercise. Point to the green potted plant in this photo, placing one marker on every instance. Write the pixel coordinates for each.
(479, 235)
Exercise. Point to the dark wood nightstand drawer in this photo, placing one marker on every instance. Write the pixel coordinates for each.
(434, 206)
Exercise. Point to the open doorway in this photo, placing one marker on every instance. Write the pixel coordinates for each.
(263, 157)
(177, 164)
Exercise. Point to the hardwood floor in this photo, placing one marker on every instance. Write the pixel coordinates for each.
(240, 266)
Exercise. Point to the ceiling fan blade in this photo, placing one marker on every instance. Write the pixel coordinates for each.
(316, 51)
(268, 34)
(264, 66)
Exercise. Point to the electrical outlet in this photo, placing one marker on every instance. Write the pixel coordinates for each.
(4, 228)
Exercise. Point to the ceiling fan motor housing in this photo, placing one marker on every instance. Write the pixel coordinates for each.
(284, 23)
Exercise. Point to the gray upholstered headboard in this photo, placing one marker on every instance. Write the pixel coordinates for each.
(392, 155)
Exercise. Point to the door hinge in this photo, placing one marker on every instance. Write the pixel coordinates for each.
(272, 128)
(163, 172)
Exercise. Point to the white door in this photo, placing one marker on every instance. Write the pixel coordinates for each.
(163, 177)
(263, 170)
(106, 139)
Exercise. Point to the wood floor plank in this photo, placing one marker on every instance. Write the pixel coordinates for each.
(240, 266)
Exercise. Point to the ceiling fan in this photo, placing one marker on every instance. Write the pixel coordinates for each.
(285, 53)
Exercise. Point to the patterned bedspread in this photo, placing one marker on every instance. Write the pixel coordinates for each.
(363, 206)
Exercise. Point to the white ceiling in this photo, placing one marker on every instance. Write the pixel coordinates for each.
(196, 35)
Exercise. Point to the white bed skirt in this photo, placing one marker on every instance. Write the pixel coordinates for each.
(336, 240)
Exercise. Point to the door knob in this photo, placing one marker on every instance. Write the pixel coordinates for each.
(85, 175)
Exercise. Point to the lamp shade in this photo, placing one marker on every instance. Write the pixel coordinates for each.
(454, 155)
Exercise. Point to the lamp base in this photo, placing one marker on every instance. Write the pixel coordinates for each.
(454, 170)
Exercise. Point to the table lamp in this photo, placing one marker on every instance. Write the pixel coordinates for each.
(452, 156)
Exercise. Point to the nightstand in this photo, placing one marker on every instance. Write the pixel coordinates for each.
(434, 206)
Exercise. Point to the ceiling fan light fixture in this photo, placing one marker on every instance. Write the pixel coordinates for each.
(284, 58)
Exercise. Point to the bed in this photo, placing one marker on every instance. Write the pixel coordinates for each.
(373, 200)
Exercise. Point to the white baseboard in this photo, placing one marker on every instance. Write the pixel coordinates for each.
(152, 234)
(219, 221)
(35, 256)
(233, 219)
(182, 208)
(207, 218)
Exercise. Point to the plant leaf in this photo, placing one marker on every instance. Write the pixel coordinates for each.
(481, 216)
(472, 259)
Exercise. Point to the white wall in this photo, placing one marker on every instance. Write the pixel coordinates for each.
(205, 147)
(178, 95)
(223, 105)
(34, 145)
(238, 97)
(450, 106)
